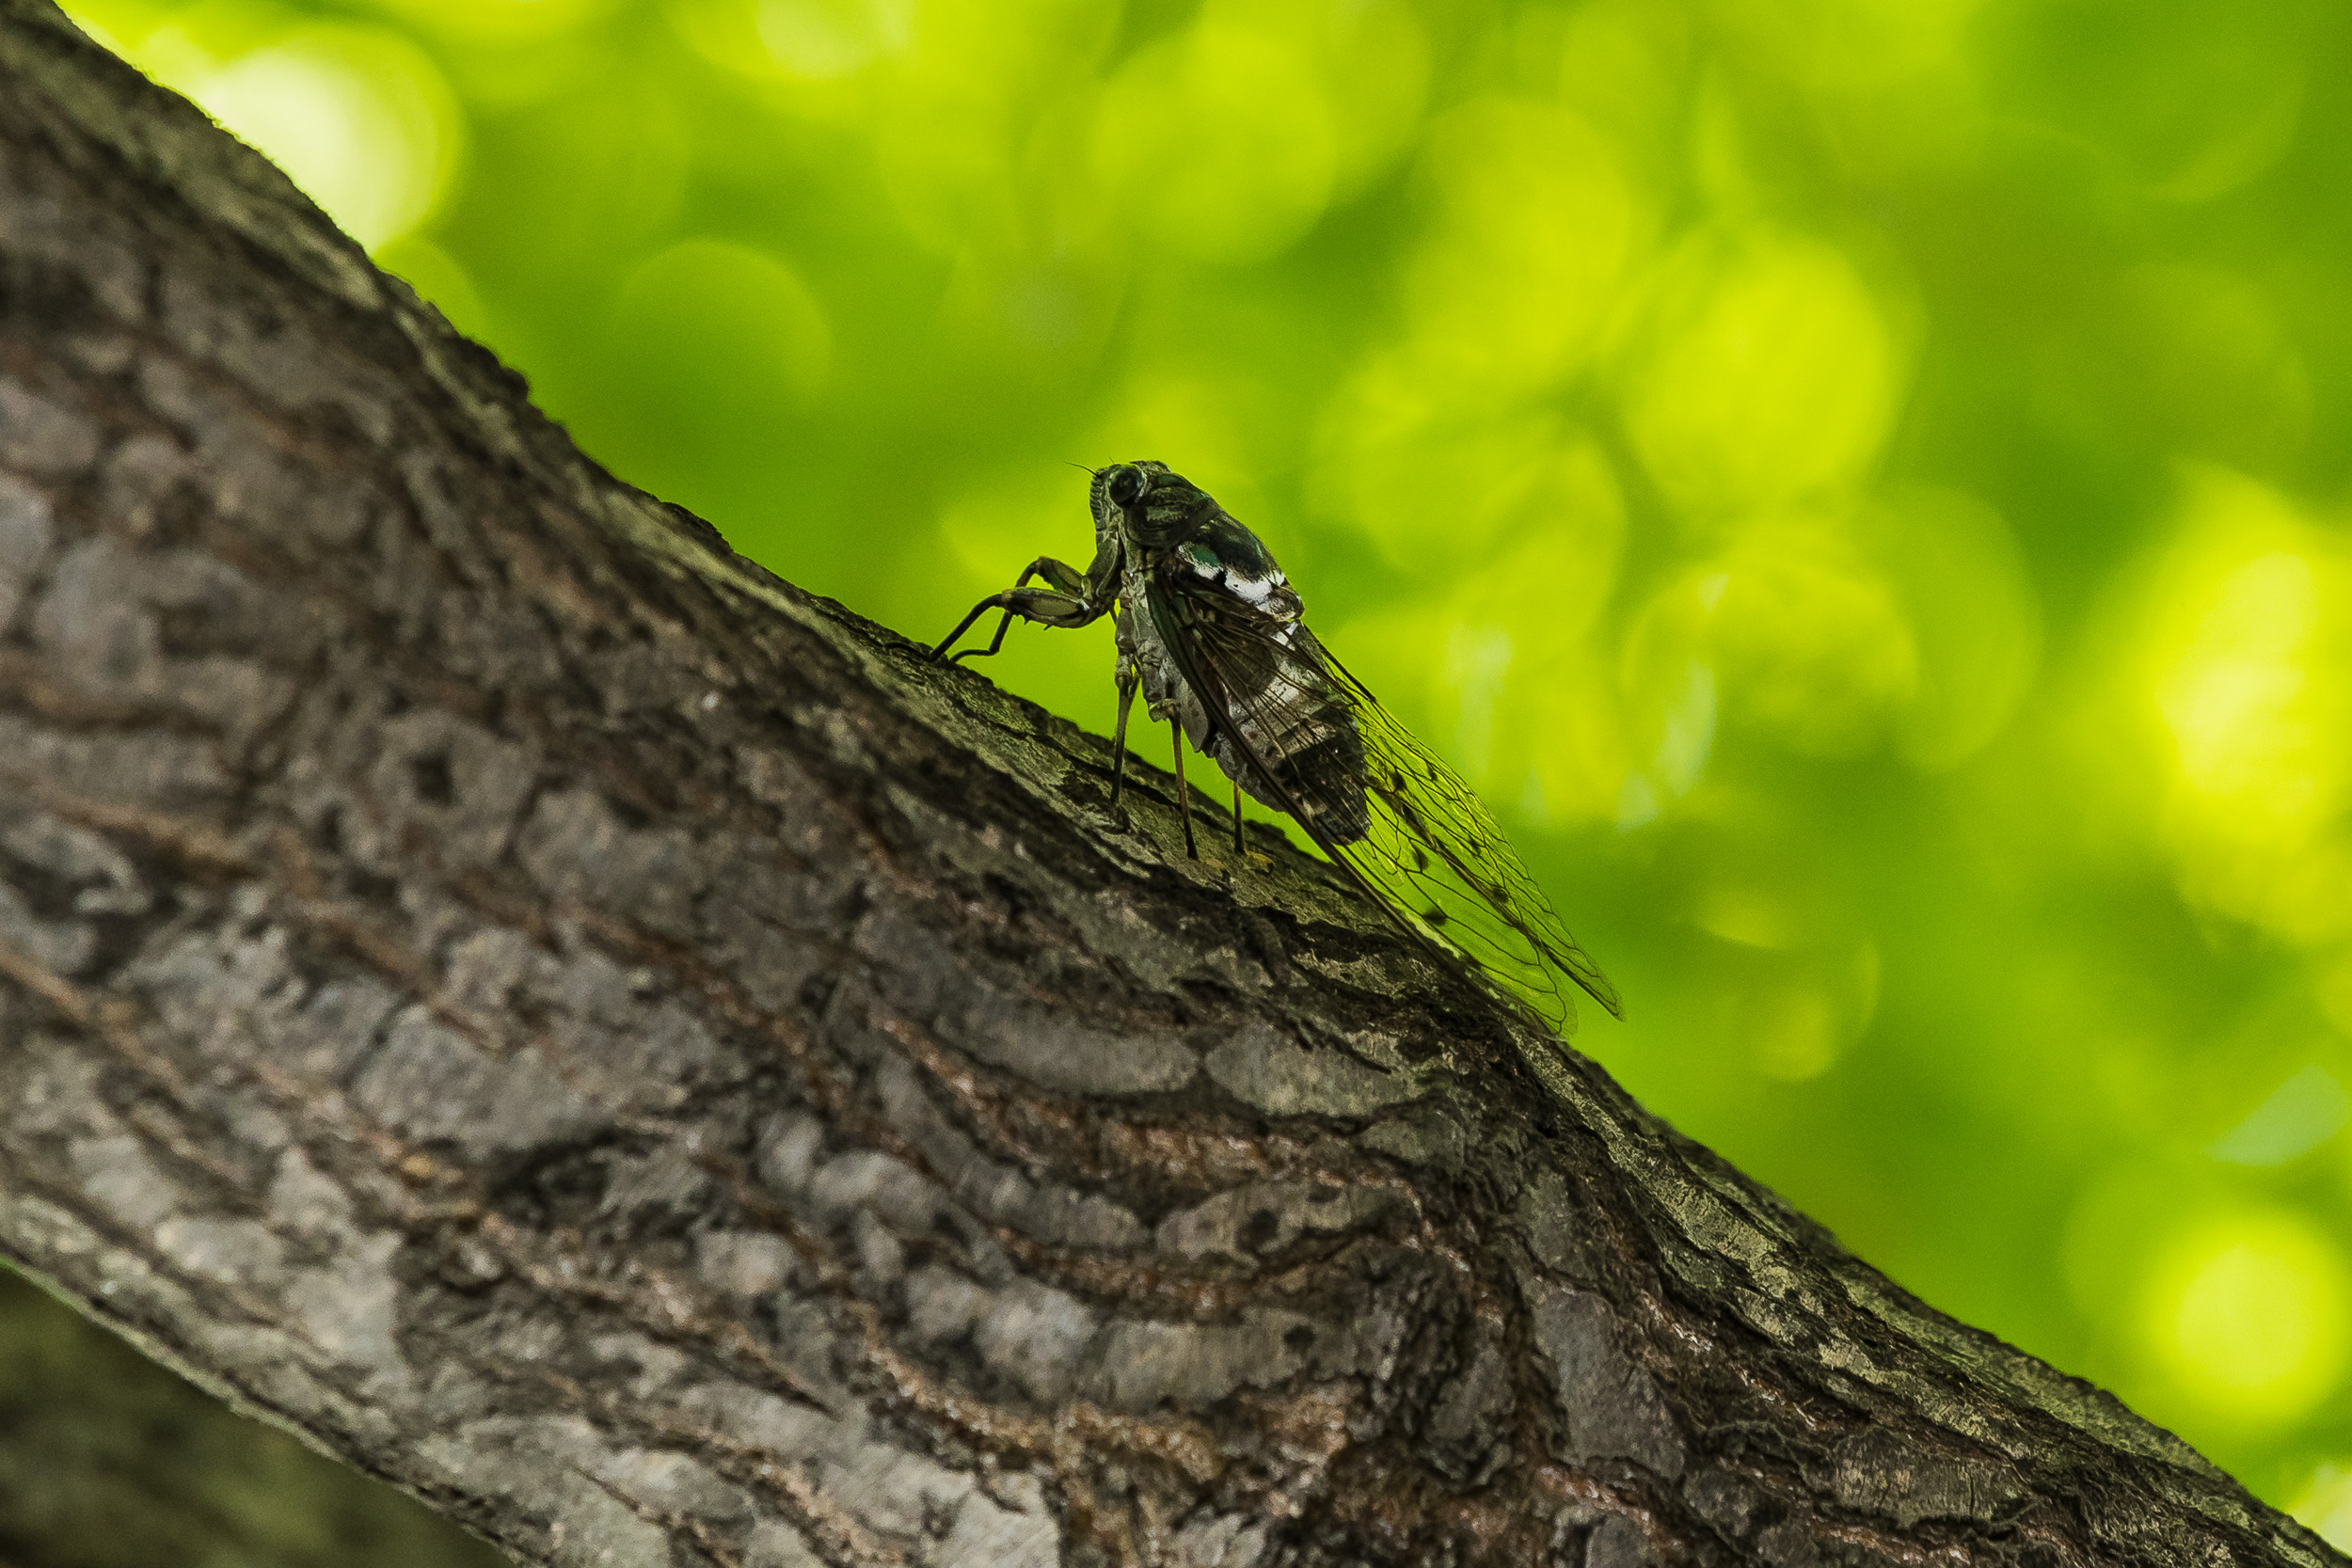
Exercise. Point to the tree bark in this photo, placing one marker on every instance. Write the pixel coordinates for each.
(635, 1055)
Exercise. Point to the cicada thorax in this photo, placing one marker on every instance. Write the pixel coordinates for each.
(1141, 648)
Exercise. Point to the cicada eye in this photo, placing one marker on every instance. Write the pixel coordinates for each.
(1126, 486)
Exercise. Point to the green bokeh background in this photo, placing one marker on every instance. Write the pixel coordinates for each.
(1858, 485)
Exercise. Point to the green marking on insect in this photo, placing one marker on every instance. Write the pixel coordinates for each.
(1214, 637)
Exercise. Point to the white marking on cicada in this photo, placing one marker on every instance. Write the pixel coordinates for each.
(1255, 589)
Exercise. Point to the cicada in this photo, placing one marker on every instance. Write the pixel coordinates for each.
(1214, 636)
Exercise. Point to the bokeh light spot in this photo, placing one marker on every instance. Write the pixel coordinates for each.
(1218, 142)
(1477, 658)
(2242, 147)
(1523, 699)
(359, 118)
(1370, 63)
(794, 41)
(2325, 1504)
(2219, 374)
(1532, 227)
(1438, 480)
(2247, 1313)
(2300, 1114)
(2190, 101)
(1747, 915)
(985, 126)
(1687, 731)
(710, 356)
(1793, 1030)
(743, 310)
(2113, 1226)
(1973, 614)
(830, 37)
(1671, 692)
(2249, 639)
(1811, 642)
(499, 21)
(1769, 373)
(2233, 698)
(1850, 43)
(1621, 67)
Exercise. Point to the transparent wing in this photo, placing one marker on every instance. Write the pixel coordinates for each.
(1380, 803)
(1433, 851)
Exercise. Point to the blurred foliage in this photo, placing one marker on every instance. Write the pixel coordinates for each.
(108, 1461)
(1858, 485)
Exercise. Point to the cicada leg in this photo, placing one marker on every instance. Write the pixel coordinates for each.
(1068, 603)
(1183, 795)
(1127, 677)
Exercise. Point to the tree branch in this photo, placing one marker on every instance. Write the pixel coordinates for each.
(634, 1054)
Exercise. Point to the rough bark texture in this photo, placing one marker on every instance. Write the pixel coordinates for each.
(635, 1055)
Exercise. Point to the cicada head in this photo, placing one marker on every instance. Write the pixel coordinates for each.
(1144, 504)
(1119, 496)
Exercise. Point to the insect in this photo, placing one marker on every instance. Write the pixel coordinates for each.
(1212, 633)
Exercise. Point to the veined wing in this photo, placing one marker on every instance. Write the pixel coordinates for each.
(1394, 817)
(1435, 853)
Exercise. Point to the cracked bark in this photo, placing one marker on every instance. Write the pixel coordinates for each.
(627, 1051)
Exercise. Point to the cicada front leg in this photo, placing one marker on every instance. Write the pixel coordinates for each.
(1071, 602)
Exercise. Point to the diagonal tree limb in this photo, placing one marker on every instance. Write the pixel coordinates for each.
(562, 1020)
